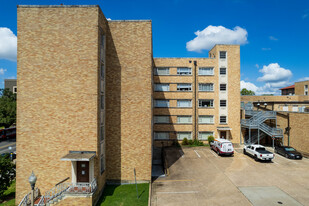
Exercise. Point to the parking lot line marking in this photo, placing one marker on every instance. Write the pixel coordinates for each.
(188, 180)
(182, 154)
(185, 192)
(7, 145)
(197, 154)
(213, 153)
(275, 162)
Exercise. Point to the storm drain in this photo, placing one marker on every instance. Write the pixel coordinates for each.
(261, 196)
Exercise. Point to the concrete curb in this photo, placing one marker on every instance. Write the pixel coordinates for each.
(150, 192)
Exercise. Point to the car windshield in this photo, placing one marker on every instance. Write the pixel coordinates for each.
(288, 149)
(260, 149)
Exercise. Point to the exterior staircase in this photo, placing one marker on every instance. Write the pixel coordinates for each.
(257, 121)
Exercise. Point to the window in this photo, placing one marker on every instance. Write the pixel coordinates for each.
(102, 101)
(184, 119)
(222, 103)
(222, 87)
(285, 108)
(161, 119)
(162, 87)
(184, 71)
(102, 157)
(161, 103)
(208, 119)
(162, 71)
(222, 119)
(161, 135)
(223, 71)
(205, 135)
(306, 90)
(208, 87)
(182, 135)
(206, 103)
(102, 48)
(184, 87)
(184, 103)
(295, 108)
(206, 71)
(222, 54)
(14, 89)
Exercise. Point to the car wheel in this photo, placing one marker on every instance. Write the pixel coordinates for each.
(287, 156)
(245, 152)
(255, 158)
(218, 152)
(276, 151)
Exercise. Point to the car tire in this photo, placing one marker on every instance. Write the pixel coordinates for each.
(218, 152)
(276, 151)
(245, 152)
(287, 156)
(255, 158)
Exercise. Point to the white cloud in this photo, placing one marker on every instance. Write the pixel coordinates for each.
(108, 19)
(248, 86)
(8, 44)
(303, 79)
(273, 38)
(274, 78)
(213, 35)
(2, 71)
(257, 66)
(274, 73)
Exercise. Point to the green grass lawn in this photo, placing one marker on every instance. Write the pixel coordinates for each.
(9, 196)
(125, 195)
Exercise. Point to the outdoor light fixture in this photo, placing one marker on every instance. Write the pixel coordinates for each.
(32, 181)
(258, 104)
(265, 104)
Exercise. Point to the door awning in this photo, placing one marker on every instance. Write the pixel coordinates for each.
(78, 156)
(224, 128)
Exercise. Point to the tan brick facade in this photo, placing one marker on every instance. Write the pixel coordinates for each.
(233, 95)
(300, 88)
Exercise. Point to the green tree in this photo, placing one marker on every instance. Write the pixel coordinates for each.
(7, 173)
(7, 108)
(244, 91)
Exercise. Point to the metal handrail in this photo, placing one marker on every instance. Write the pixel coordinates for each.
(27, 198)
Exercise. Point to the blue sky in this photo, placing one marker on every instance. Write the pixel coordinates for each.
(273, 33)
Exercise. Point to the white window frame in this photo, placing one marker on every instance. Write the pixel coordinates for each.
(183, 133)
(161, 100)
(164, 87)
(165, 135)
(160, 119)
(184, 87)
(222, 54)
(211, 103)
(161, 73)
(202, 85)
(211, 119)
(14, 88)
(184, 100)
(181, 118)
(211, 133)
(183, 73)
(225, 119)
(305, 89)
(201, 69)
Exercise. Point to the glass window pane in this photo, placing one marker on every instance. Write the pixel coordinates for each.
(162, 87)
(208, 87)
(209, 119)
(184, 71)
(184, 103)
(205, 135)
(184, 87)
(161, 119)
(206, 71)
(184, 119)
(162, 71)
(182, 135)
(161, 103)
(161, 135)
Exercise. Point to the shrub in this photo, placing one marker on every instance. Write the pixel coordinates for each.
(185, 141)
(7, 173)
(210, 139)
(190, 142)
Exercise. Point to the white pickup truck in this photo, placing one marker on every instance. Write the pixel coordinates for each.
(258, 152)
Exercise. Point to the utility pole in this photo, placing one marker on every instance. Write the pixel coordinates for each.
(195, 102)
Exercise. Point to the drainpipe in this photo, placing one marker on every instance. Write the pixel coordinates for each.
(195, 101)
(288, 129)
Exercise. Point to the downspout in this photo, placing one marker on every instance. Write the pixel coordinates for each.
(288, 129)
(195, 101)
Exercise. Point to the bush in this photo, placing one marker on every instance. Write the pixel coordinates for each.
(198, 143)
(210, 139)
(190, 142)
(185, 141)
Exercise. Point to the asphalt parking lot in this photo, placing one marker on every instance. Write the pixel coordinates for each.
(198, 176)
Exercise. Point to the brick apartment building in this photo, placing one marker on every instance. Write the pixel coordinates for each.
(89, 90)
(198, 97)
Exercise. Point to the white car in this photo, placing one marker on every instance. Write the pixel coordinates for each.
(222, 147)
(258, 152)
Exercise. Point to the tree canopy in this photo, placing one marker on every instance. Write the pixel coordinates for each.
(7, 108)
(244, 91)
(7, 173)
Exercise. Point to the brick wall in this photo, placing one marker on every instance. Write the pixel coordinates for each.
(57, 70)
(129, 100)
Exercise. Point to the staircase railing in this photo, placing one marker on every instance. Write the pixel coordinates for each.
(27, 198)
